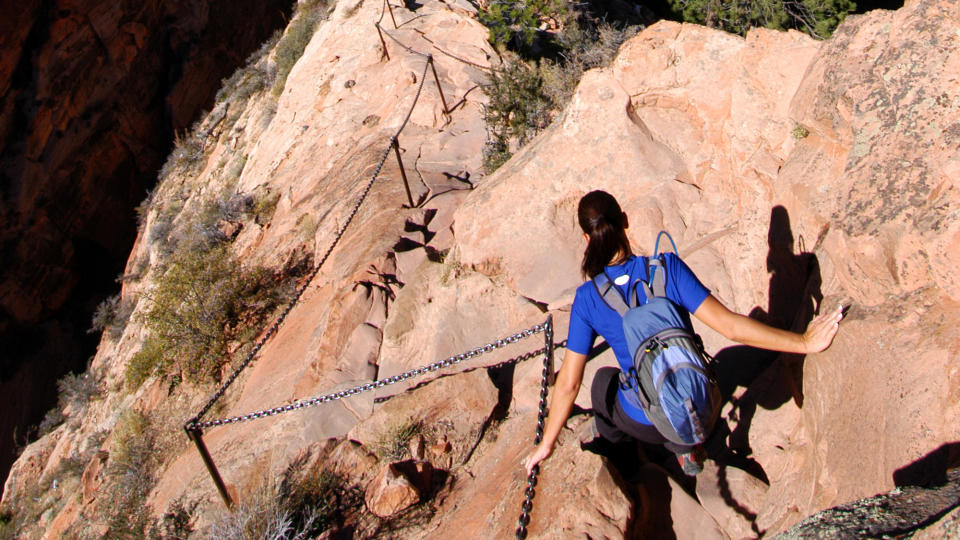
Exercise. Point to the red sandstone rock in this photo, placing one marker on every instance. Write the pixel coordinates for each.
(93, 476)
(390, 492)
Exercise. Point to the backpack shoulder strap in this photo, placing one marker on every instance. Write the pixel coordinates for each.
(656, 284)
(609, 293)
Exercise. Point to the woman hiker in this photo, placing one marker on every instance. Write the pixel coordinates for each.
(617, 418)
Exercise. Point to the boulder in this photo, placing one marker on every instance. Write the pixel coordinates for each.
(390, 492)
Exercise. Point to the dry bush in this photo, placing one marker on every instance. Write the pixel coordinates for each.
(301, 504)
(111, 316)
(131, 474)
(394, 444)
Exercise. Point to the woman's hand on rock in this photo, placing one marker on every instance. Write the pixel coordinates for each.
(821, 331)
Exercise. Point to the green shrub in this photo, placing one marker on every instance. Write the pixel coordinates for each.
(202, 300)
(524, 95)
(150, 359)
(799, 132)
(818, 18)
(187, 156)
(517, 109)
(74, 391)
(291, 46)
(235, 167)
(515, 24)
(18, 516)
(145, 207)
(176, 523)
(249, 79)
(7, 523)
(264, 205)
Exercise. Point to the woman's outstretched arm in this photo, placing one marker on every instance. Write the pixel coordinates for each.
(736, 327)
(565, 393)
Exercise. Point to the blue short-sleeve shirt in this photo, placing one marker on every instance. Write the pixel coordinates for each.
(591, 316)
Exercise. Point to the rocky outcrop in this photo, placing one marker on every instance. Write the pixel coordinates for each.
(892, 514)
(751, 152)
(92, 93)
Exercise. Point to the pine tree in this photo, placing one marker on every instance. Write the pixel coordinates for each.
(819, 18)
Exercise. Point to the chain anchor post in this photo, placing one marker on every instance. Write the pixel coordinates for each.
(382, 42)
(196, 435)
(446, 110)
(392, 18)
(403, 173)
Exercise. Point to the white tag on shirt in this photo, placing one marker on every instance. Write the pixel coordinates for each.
(622, 280)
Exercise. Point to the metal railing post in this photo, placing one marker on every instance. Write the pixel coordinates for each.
(403, 174)
(548, 335)
(382, 42)
(196, 435)
(439, 89)
(390, 9)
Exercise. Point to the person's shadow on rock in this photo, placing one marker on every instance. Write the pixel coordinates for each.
(770, 378)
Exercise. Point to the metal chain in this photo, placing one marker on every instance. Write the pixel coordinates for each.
(398, 42)
(450, 54)
(515, 360)
(529, 493)
(296, 297)
(423, 78)
(373, 385)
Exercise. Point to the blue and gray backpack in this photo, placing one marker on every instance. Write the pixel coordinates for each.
(672, 379)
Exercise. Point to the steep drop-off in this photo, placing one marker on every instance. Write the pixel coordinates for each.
(91, 94)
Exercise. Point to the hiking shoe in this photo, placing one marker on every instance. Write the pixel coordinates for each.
(587, 431)
(692, 461)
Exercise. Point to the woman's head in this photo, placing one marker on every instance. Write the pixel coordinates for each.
(604, 224)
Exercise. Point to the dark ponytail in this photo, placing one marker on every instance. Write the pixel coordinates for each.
(603, 221)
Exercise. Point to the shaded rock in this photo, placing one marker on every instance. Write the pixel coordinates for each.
(668, 510)
(91, 92)
(732, 497)
(440, 453)
(353, 459)
(229, 229)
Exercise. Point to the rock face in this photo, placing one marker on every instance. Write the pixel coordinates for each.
(92, 93)
(786, 169)
(754, 155)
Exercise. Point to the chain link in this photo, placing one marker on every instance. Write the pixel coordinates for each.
(531, 491)
(373, 385)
